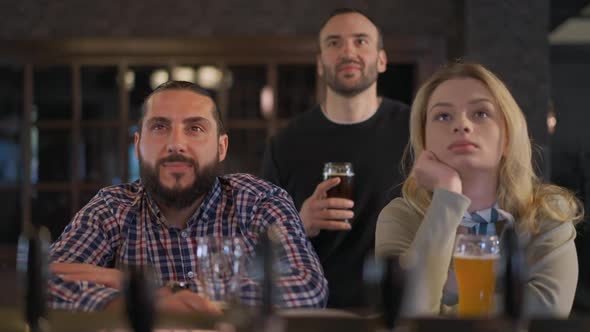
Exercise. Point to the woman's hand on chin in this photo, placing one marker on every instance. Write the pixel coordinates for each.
(431, 173)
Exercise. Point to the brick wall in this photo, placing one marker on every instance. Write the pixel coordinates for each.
(156, 18)
(510, 36)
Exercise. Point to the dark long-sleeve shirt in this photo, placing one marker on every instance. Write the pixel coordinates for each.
(295, 158)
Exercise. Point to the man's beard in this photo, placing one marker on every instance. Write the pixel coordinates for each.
(338, 85)
(177, 197)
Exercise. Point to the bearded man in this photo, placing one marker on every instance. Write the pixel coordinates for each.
(180, 198)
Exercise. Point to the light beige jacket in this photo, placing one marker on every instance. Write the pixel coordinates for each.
(426, 243)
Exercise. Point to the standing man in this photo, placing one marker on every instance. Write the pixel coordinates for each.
(352, 125)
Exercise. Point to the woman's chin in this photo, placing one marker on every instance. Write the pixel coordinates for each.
(473, 169)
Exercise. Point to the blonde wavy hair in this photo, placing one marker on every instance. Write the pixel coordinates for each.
(520, 191)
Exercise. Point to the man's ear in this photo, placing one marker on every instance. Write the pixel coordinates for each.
(319, 66)
(381, 61)
(223, 145)
(136, 139)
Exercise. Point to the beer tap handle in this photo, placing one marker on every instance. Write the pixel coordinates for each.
(373, 277)
(394, 284)
(268, 276)
(33, 266)
(393, 290)
(384, 281)
(263, 267)
(139, 300)
(514, 275)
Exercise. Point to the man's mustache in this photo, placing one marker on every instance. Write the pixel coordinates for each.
(348, 61)
(176, 158)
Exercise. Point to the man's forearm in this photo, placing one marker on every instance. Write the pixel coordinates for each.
(116, 305)
(79, 296)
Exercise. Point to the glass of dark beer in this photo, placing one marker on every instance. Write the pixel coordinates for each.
(346, 174)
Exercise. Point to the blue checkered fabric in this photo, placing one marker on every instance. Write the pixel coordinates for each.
(485, 222)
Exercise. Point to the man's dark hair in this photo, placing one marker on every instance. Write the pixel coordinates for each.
(347, 10)
(188, 86)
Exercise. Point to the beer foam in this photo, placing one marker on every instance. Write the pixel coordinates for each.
(338, 174)
(479, 257)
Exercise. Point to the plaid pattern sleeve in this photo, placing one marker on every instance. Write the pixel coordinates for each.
(87, 239)
(122, 226)
(301, 282)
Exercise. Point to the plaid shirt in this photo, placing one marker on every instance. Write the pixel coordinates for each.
(122, 226)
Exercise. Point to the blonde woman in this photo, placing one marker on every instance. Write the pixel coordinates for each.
(472, 172)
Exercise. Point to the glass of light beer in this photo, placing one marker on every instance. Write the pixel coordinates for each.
(476, 259)
(346, 174)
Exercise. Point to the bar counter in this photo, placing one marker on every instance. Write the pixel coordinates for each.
(289, 321)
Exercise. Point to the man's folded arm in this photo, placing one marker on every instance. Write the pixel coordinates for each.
(87, 239)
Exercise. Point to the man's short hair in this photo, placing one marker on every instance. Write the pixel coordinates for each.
(347, 10)
(188, 86)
